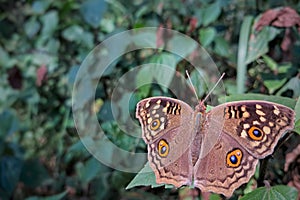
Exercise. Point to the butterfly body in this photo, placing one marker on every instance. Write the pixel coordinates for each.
(215, 151)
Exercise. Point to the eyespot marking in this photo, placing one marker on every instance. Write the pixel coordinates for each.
(234, 158)
(255, 133)
(155, 124)
(163, 148)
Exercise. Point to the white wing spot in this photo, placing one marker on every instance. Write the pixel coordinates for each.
(256, 123)
(267, 129)
(259, 112)
(246, 126)
(262, 119)
(258, 106)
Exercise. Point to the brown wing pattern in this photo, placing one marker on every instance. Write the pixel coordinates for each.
(166, 125)
(213, 173)
(257, 125)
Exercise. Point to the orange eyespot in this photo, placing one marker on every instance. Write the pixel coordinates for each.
(255, 133)
(155, 124)
(163, 148)
(234, 158)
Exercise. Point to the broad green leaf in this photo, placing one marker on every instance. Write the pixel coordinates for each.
(164, 72)
(5, 60)
(40, 6)
(297, 127)
(279, 192)
(107, 25)
(76, 34)
(214, 197)
(221, 47)
(50, 23)
(9, 123)
(206, 36)
(31, 27)
(53, 197)
(73, 33)
(274, 85)
(251, 96)
(211, 13)
(161, 70)
(145, 177)
(199, 84)
(258, 43)
(92, 11)
(182, 46)
(88, 170)
(143, 78)
(293, 84)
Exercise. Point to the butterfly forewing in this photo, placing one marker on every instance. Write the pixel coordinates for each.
(167, 129)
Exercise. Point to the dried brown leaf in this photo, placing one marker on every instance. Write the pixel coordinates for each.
(283, 17)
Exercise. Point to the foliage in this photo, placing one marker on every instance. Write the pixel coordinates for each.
(42, 45)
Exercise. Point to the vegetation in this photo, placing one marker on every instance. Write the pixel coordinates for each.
(44, 154)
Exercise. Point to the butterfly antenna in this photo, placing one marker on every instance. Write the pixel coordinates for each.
(213, 87)
(190, 80)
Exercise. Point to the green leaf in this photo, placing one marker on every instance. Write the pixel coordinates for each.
(5, 60)
(258, 43)
(107, 25)
(166, 68)
(53, 197)
(279, 192)
(274, 85)
(143, 79)
(50, 22)
(92, 11)
(31, 27)
(88, 171)
(9, 123)
(251, 96)
(206, 36)
(145, 177)
(270, 62)
(297, 127)
(221, 46)
(293, 84)
(182, 46)
(199, 83)
(40, 6)
(165, 64)
(73, 33)
(211, 13)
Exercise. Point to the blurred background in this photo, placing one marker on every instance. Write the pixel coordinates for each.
(44, 42)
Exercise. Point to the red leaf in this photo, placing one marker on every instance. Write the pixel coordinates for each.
(41, 75)
(284, 17)
(193, 24)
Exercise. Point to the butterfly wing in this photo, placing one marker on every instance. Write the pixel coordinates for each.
(227, 166)
(256, 125)
(249, 131)
(167, 130)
